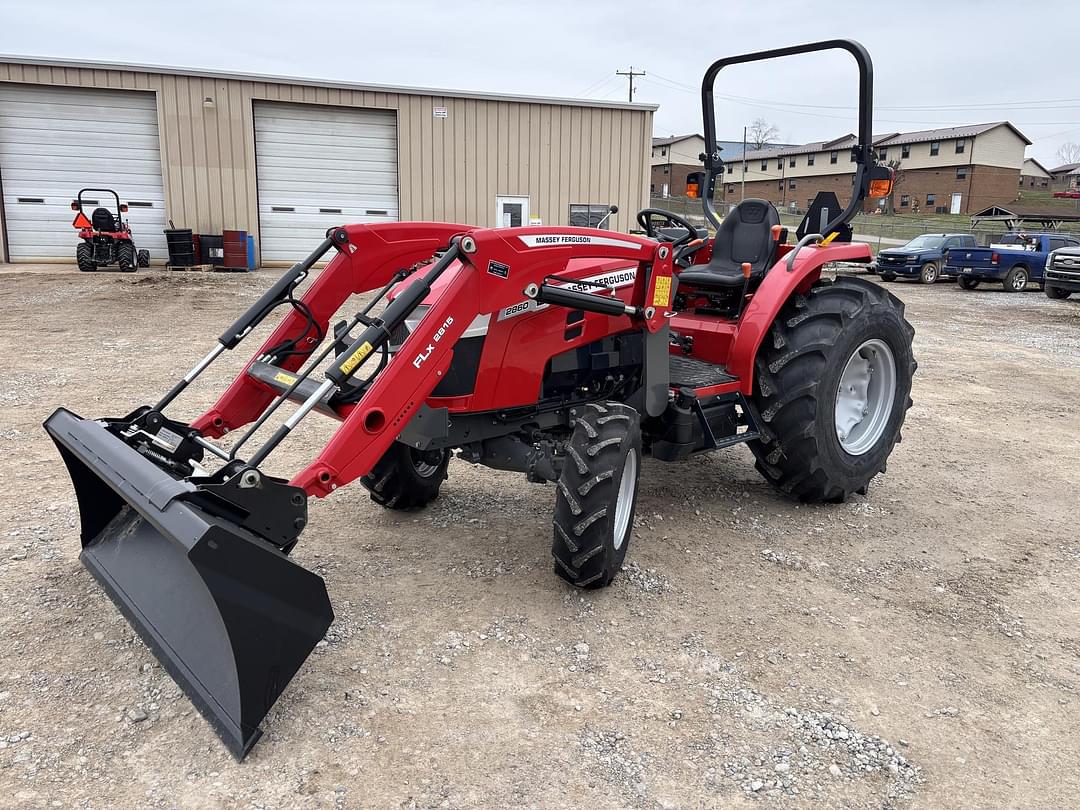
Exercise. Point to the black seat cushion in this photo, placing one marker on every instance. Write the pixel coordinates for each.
(745, 235)
(103, 220)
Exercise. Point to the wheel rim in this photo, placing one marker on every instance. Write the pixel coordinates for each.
(624, 501)
(930, 274)
(426, 464)
(865, 396)
(1019, 280)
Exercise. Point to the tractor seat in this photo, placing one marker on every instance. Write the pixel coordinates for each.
(103, 220)
(745, 235)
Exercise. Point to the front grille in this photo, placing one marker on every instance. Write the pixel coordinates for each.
(892, 259)
(1062, 275)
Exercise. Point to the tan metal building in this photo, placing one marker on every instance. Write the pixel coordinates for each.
(284, 158)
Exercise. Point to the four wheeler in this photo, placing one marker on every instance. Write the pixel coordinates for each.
(567, 354)
(106, 238)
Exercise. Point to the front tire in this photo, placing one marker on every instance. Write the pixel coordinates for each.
(407, 478)
(1016, 280)
(1056, 292)
(929, 273)
(597, 494)
(84, 255)
(142, 258)
(967, 283)
(821, 442)
(125, 257)
(888, 276)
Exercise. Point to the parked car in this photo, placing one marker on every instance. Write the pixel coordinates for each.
(1014, 260)
(1062, 273)
(923, 256)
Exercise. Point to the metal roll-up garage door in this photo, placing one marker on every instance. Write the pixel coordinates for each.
(319, 167)
(57, 140)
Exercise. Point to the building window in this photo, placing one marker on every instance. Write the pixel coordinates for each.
(663, 152)
(883, 154)
(833, 157)
(779, 185)
(809, 160)
(935, 147)
(905, 151)
(791, 185)
(854, 155)
(791, 162)
(779, 163)
(930, 199)
(730, 169)
(764, 165)
(960, 147)
(730, 188)
(652, 188)
(905, 200)
(666, 169)
(588, 216)
(961, 172)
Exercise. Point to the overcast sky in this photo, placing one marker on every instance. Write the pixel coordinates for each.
(939, 63)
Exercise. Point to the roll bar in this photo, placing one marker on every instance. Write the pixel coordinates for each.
(864, 156)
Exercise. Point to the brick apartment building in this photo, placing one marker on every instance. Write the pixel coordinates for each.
(958, 170)
(676, 156)
(1065, 178)
(1034, 175)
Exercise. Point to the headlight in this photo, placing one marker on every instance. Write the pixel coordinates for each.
(1049, 261)
(912, 259)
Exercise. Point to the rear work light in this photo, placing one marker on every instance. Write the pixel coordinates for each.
(881, 182)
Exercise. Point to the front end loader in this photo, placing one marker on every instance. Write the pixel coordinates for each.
(565, 354)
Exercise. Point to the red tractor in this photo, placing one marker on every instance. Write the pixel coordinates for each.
(567, 354)
(106, 238)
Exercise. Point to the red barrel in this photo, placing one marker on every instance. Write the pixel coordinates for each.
(235, 245)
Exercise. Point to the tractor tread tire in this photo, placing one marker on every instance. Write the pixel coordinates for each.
(797, 371)
(584, 524)
(395, 483)
(142, 258)
(84, 255)
(125, 257)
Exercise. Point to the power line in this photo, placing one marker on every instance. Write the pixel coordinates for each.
(630, 74)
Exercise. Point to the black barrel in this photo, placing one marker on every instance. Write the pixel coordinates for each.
(211, 250)
(181, 247)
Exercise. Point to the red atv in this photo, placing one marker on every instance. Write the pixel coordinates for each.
(106, 238)
(566, 354)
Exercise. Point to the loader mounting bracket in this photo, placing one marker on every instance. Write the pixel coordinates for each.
(262, 504)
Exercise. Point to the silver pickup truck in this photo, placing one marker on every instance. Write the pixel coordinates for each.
(1061, 276)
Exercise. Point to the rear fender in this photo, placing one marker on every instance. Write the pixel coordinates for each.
(779, 286)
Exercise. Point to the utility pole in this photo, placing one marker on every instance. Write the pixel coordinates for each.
(630, 74)
(742, 192)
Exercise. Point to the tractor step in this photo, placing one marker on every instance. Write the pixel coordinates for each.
(280, 380)
(689, 373)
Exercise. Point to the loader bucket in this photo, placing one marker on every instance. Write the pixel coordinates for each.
(229, 615)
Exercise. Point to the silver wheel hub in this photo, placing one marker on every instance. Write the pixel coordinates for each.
(624, 501)
(864, 398)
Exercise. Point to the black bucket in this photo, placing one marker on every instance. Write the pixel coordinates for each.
(227, 613)
(181, 247)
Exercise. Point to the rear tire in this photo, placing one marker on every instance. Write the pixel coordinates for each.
(1016, 280)
(888, 276)
(84, 255)
(597, 493)
(407, 478)
(967, 283)
(125, 257)
(929, 273)
(812, 345)
(1056, 292)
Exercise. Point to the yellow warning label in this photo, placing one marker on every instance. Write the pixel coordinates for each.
(662, 292)
(356, 358)
(282, 377)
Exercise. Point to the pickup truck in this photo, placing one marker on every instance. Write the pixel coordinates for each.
(1061, 277)
(1013, 260)
(923, 256)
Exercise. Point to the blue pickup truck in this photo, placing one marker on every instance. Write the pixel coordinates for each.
(922, 257)
(1014, 260)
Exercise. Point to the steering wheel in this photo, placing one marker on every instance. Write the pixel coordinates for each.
(645, 220)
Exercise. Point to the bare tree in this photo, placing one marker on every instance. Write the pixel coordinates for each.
(1069, 152)
(760, 133)
(898, 177)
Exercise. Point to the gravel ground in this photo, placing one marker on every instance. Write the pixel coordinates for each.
(915, 648)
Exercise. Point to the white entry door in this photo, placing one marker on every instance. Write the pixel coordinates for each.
(511, 212)
(954, 206)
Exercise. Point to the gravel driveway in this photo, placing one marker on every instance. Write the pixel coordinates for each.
(915, 648)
